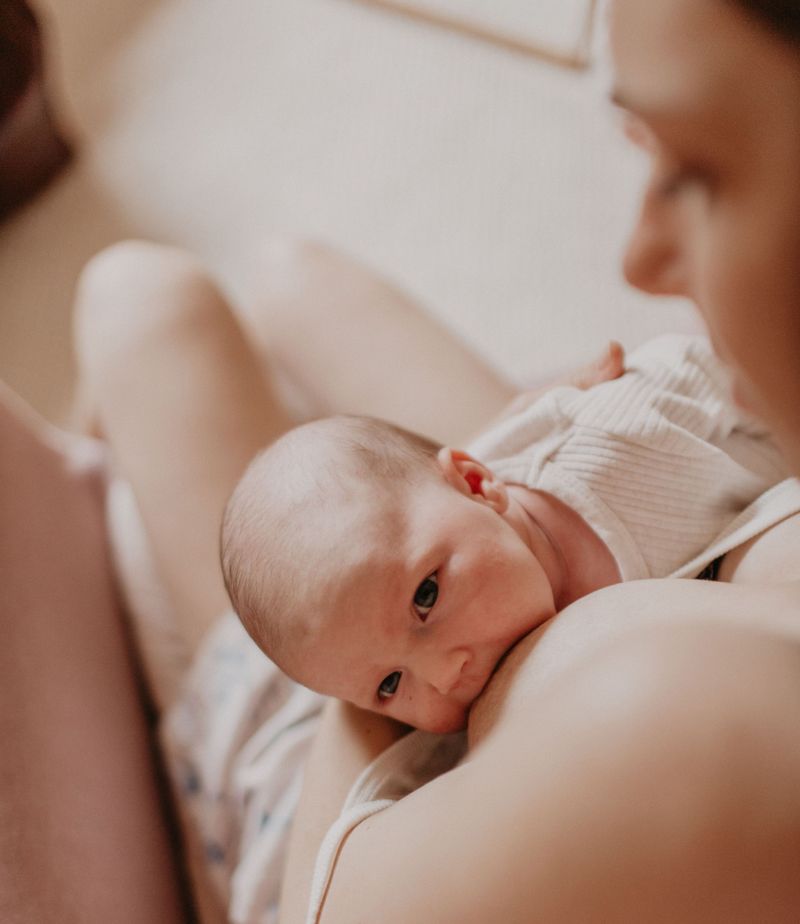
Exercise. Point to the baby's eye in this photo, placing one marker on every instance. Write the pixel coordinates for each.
(389, 686)
(426, 596)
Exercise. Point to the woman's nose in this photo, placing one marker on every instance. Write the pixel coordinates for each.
(653, 260)
(443, 670)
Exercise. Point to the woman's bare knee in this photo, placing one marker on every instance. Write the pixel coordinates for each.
(137, 290)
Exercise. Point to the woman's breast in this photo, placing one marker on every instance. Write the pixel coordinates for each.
(573, 635)
(510, 689)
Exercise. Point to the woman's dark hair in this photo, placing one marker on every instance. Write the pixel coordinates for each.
(781, 16)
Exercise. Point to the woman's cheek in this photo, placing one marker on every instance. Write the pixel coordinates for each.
(725, 277)
(749, 298)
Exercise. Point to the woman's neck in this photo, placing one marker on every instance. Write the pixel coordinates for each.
(575, 559)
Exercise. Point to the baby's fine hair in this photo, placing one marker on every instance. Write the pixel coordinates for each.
(299, 476)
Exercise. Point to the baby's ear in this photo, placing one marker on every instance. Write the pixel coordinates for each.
(473, 478)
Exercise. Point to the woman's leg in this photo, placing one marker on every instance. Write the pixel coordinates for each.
(183, 404)
(173, 384)
(82, 832)
(356, 343)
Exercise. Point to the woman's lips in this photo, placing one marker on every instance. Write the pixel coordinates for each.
(738, 395)
(737, 390)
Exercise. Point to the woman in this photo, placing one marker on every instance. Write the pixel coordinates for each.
(616, 775)
(666, 830)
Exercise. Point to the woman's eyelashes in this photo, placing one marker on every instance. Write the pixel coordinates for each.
(672, 182)
(426, 596)
(672, 178)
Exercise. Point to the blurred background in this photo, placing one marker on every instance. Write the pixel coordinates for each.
(493, 185)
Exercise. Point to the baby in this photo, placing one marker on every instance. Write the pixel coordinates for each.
(377, 566)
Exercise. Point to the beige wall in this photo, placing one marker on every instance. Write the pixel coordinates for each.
(493, 186)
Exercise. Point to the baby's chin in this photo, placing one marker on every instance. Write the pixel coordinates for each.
(446, 725)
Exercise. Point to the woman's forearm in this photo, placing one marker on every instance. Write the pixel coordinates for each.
(348, 740)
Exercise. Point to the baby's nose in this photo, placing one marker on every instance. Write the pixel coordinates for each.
(447, 670)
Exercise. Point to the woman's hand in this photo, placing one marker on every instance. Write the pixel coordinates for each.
(606, 367)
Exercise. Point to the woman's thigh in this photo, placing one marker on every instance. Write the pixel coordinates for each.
(355, 342)
(183, 404)
(82, 837)
(179, 381)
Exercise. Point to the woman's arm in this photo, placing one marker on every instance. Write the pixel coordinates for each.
(773, 557)
(445, 851)
(574, 808)
(348, 740)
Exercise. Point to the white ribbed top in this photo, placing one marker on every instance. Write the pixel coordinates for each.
(658, 462)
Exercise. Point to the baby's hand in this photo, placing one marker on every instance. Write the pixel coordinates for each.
(609, 365)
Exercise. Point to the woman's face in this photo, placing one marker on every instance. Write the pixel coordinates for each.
(714, 100)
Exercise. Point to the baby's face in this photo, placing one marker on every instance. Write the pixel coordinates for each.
(424, 607)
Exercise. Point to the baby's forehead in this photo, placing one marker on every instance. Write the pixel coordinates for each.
(372, 529)
(360, 540)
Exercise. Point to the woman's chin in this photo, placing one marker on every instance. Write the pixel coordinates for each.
(739, 396)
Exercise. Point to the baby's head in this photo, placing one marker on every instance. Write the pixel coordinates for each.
(373, 565)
